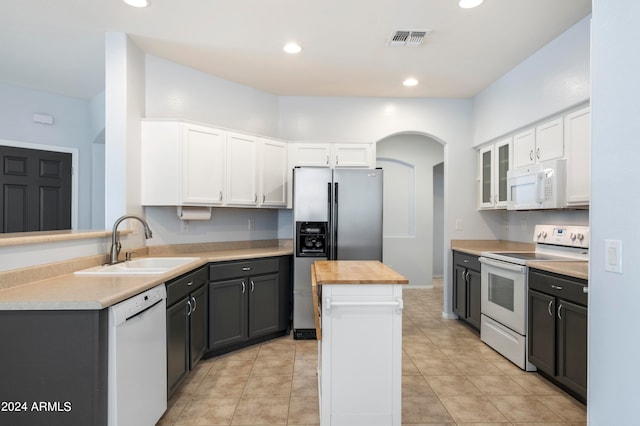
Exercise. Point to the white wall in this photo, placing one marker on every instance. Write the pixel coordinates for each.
(408, 204)
(614, 325)
(549, 81)
(70, 129)
(438, 220)
(176, 91)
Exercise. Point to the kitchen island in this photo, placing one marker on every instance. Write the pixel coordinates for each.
(358, 310)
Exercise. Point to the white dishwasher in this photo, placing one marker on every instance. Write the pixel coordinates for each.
(138, 359)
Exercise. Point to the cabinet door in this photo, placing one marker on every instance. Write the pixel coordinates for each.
(503, 157)
(460, 291)
(550, 140)
(198, 325)
(577, 130)
(541, 331)
(177, 345)
(264, 304)
(486, 177)
(524, 145)
(273, 173)
(227, 312)
(309, 154)
(203, 161)
(352, 155)
(242, 174)
(572, 346)
(473, 298)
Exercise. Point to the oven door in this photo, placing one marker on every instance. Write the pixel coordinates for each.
(503, 289)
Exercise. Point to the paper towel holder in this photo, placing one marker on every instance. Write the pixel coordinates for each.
(194, 213)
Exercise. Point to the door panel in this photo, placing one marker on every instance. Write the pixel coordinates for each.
(36, 190)
(358, 222)
(541, 332)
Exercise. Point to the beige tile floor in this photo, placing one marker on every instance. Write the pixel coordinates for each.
(449, 378)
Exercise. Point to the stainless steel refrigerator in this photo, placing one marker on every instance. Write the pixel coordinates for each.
(337, 215)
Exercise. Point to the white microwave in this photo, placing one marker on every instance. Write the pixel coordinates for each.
(539, 186)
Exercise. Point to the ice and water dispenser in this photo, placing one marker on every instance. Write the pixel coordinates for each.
(311, 239)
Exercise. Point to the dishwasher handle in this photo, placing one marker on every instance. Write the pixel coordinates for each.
(143, 311)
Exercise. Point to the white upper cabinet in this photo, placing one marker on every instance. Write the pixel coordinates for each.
(273, 172)
(550, 140)
(182, 164)
(577, 128)
(494, 162)
(352, 155)
(311, 154)
(542, 143)
(242, 170)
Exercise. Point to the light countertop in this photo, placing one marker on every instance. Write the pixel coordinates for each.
(577, 269)
(356, 272)
(86, 292)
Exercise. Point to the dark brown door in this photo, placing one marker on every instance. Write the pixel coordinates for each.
(36, 190)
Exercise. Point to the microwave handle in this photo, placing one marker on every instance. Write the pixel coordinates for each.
(540, 186)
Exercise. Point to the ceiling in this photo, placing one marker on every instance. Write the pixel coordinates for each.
(58, 46)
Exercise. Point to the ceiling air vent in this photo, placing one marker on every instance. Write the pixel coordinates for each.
(407, 38)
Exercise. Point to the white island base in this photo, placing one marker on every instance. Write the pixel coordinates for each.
(360, 354)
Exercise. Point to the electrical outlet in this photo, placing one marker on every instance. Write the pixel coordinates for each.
(252, 224)
(523, 225)
(185, 226)
(459, 225)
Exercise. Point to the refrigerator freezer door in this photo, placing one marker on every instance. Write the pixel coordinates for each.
(311, 194)
(357, 220)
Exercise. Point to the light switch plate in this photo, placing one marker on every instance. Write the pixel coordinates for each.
(613, 256)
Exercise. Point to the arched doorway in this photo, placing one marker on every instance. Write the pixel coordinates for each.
(413, 205)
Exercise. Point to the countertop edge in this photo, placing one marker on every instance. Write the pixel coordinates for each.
(95, 292)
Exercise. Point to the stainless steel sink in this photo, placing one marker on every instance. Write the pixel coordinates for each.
(141, 266)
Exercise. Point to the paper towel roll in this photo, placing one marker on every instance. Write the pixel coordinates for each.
(194, 213)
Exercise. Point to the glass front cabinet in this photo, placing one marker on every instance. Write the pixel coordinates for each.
(494, 162)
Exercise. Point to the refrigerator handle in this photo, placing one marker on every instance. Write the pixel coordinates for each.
(330, 221)
(335, 222)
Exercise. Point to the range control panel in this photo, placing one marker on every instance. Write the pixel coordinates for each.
(564, 235)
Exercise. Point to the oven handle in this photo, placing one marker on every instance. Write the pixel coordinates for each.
(503, 265)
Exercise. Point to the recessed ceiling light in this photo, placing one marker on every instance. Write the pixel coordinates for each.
(292, 48)
(409, 82)
(137, 3)
(469, 4)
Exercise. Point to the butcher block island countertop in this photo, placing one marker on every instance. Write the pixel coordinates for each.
(356, 272)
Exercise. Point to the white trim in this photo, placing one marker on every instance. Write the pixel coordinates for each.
(74, 164)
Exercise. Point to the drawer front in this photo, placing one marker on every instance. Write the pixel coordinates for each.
(466, 260)
(180, 287)
(236, 269)
(571, 289)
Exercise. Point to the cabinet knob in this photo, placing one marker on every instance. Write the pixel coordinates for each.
(560, 312)
(531, 155)
(189, 308)
(538, 153)
(246, 268)
(253, 286)
(220, 197)
(190, 283)
(549, 308)
(244, 287)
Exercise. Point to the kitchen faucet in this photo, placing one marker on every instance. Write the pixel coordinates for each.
(115, 237)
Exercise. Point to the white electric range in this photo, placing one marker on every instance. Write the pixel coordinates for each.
(504, 288)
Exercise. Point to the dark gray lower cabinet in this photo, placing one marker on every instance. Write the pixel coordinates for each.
(186, 325)
(54, 367)
(466, 288)
(557, 334)
(248, 301)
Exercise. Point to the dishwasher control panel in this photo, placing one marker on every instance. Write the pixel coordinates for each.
(138, 303)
